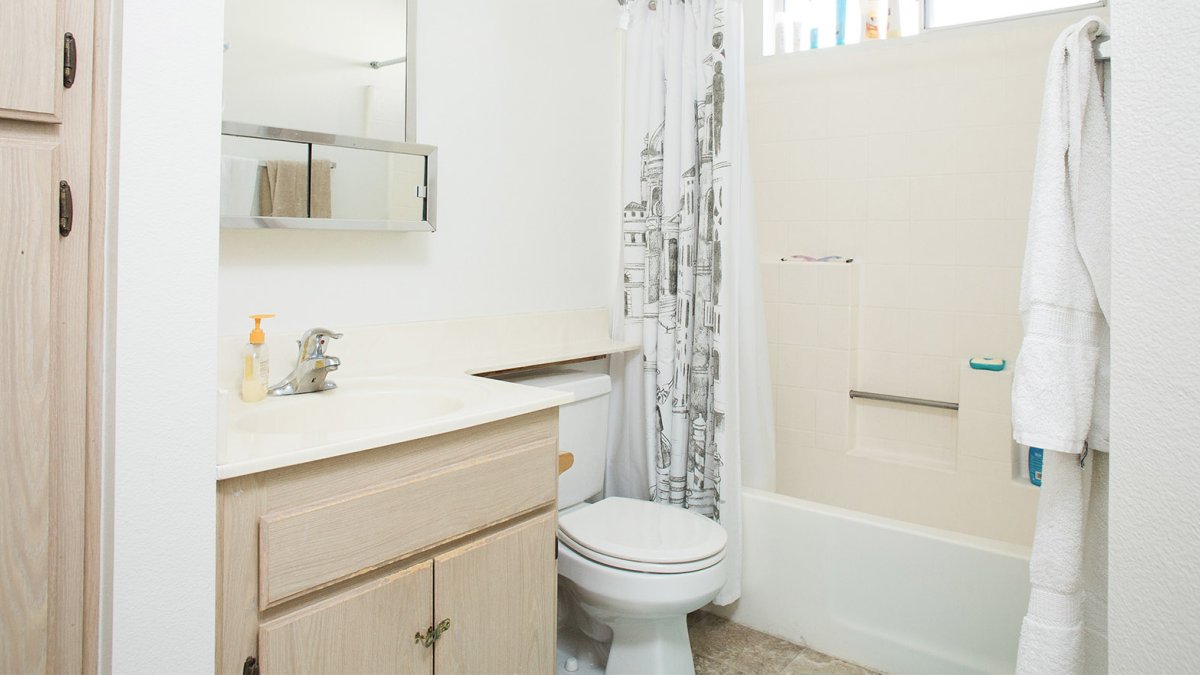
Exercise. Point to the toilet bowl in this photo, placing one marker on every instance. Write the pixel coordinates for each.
(638, 568)
(630, 570)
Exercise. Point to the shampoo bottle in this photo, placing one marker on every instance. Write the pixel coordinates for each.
(255, 363)
(840, 25)
(874, 16)
(784, 28)
(894, 27)
(799, 25)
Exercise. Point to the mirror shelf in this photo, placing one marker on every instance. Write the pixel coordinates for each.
(408, 172)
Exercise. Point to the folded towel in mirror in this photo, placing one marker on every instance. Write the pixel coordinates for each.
(285, 191)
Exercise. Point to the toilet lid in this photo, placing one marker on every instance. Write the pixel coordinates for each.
(642, 531)
(652, 568)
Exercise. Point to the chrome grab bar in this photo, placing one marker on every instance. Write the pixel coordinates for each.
(908, 400)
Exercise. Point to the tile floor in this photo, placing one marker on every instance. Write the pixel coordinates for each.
(721, 647)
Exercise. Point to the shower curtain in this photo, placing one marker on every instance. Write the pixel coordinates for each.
(693, 407)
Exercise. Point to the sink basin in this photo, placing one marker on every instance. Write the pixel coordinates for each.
(360, 414)
(358, 405)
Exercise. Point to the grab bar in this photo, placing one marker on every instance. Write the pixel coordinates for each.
(947, 405)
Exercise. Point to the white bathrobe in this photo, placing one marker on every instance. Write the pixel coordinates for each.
(1060, 386)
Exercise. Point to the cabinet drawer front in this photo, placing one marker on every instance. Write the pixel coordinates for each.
(308, 548)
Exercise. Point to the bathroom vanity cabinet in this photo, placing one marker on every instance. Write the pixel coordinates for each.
(436, 554)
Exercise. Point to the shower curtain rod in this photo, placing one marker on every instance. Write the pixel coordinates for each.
(390, 62)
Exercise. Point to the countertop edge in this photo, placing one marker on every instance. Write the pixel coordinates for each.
(551, 399)
(598, 349)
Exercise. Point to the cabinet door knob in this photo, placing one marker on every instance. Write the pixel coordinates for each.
(432, 634)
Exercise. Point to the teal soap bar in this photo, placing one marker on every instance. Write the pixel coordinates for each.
(988, 363)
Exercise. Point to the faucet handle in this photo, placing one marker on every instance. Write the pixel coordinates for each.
(314, 342)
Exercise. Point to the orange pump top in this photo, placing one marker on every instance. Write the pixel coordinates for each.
(256, 335)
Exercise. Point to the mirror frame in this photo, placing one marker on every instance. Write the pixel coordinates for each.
(410, 72)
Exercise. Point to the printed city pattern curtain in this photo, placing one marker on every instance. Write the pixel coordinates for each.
(672, 262)
(687, 259)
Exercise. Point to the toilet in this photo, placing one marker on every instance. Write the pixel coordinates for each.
(629, 570)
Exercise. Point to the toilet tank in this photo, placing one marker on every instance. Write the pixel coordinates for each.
(582, 428)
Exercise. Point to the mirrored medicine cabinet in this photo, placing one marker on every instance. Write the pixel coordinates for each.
(318, 108)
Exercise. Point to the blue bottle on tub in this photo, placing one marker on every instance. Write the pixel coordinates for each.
(1035, 466)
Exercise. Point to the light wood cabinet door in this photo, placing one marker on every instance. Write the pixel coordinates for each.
(499, 594)
(26, 259)
(48, 134)
(368, 629)
(31, 53)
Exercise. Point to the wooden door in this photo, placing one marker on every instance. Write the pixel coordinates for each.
(26, 257)
(500, 596)
(45, 138)
(31, 53)
(368, 629)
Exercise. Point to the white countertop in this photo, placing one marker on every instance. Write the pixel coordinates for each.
(381, 400)
(484, 400)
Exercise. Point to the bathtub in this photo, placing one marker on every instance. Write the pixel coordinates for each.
(885, 594)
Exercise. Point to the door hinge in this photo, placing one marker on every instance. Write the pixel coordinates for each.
(69, 57)
(66, 208)
(422, 192)
(250, 667)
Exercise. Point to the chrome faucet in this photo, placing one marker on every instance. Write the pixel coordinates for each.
(312, 366)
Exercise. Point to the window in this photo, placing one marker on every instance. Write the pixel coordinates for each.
(942, 13)
(800, 25)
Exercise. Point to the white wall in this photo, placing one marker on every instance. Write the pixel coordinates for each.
(528, 223)
(522, 100)
(162, 327)
(1154, 530)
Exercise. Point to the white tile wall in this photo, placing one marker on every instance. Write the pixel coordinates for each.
(915, 160)
(812, 326)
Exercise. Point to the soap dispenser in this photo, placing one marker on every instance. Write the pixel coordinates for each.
(255, 363)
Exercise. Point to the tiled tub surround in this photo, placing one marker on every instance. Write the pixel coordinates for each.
(958, 471)
(914, 158)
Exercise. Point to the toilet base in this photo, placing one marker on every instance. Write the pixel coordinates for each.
(650, 646)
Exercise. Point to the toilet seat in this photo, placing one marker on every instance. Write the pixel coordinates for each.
(643, 536)
(638, 566)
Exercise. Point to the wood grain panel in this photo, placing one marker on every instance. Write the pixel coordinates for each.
(314, 546)
(70, 388)
(244, 500)
(303, 484)
(500, 596)
(26, 266)
(31, 53)
(95, 60)
(365, 630)
(36, 112)
(238, 503)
